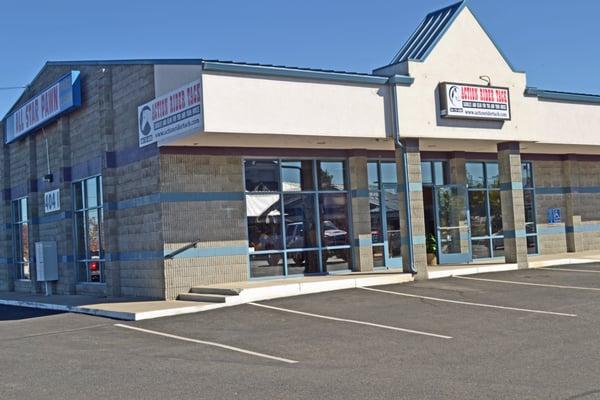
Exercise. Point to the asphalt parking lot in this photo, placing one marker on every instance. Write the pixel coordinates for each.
(531, 334)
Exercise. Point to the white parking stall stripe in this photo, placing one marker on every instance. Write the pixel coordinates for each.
(352, 321)
(207, 343)
(528, 283)
(470, 303)
(569, 270)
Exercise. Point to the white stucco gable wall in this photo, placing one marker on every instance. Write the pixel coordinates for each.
(462, 54)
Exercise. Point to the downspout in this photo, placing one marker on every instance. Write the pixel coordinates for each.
(396, 132)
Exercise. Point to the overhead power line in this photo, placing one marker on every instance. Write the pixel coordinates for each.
(12, 87)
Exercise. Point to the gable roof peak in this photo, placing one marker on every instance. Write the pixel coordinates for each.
(431, 29)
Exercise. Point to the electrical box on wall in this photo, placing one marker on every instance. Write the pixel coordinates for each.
(46, 261)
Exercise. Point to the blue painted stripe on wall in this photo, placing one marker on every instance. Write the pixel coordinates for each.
(419, 239)
(550, 190)
(210, 252)
(50, 218)
(93, 166)
(415, 187)
(134, 202)
(515, 234)
(88, 168)
(64, 259)
(173, 197)
(511, 186)
(201, 196)
(360, 193)
(363, 242)
(586, 228)
(551, 230)
(134, 256)
(564, 190)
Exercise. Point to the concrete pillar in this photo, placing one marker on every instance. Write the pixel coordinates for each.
(415, 227)
(457, 175)
(457, 170)
(7, 270)
(361, 215)
(572, 220)
(109, 183)
(33, 205)
(68, 269)
(513, 208)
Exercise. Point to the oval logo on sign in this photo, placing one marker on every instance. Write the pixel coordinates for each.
(145, 117)
(454, 96)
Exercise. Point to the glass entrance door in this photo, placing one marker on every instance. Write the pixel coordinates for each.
(385, 214)
(452, 224)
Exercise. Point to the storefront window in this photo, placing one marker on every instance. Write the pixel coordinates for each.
(21, 238)
(485, 209)
(297, 175)
(295, 226)
(475, 175)
(262, 175)
(529, 203)
(434, 173)
(331, 175)
(385, 213)
(89, 230)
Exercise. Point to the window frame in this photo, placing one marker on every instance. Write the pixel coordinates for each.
(316, 192)
(17, 224)
(388, 261)
(83, 214)
(486, 189)
(531, 189)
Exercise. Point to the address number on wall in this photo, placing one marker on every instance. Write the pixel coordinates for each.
(52, 201)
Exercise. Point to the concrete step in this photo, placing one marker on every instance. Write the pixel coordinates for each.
(210, 298)
(215, 290)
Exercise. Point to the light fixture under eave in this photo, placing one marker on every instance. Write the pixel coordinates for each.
(486, 79)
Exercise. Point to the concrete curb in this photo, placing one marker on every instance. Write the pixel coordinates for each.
(246, 295)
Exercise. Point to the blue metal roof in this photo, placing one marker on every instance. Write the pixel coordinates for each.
(428, 33)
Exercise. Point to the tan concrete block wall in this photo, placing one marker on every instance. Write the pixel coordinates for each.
(217, 220)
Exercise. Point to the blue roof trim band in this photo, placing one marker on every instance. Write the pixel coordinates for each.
(302, 73)
(563, 96)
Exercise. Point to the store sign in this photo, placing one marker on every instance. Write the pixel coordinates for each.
(172, 114)
(61, 97)
(52, 201)
(474, 101)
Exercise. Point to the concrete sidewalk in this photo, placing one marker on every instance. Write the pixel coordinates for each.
(484, 266)
(135, 309)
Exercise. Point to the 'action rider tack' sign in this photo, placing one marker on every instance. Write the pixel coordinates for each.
(464, 101)
(175, 113)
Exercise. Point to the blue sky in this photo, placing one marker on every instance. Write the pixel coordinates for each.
(555, 42)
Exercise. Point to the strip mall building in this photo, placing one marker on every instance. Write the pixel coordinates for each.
(150, 177)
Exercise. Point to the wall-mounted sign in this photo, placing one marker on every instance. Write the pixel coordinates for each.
(174, 113)
(458, 100)
(554, 216)
(60, 97)
(52, 201)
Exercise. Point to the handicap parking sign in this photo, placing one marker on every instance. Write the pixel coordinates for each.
(554, 215)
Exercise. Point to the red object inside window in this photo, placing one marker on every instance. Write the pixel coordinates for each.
(94, 266)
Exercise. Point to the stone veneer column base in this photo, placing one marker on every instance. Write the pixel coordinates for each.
(416, 226)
